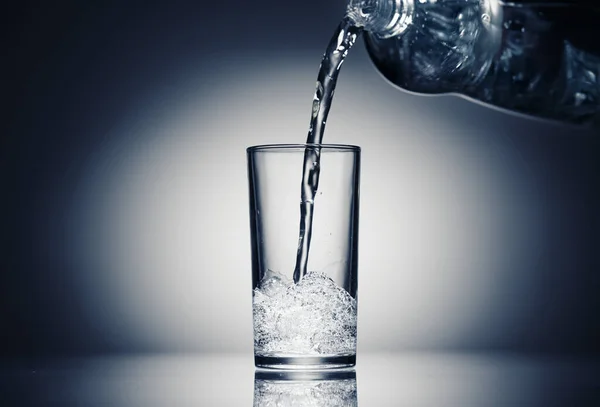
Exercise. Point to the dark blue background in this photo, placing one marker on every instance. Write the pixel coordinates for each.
(72, 71)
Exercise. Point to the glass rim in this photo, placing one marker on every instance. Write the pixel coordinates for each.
(290, 147)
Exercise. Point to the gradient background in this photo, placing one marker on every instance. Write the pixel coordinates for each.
(123, 203)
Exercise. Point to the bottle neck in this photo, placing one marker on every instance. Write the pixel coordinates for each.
(383, 18)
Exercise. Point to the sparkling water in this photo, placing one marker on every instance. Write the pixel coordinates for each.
(313, 317)
(310, 315)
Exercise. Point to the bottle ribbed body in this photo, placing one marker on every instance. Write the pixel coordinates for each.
(540, 59)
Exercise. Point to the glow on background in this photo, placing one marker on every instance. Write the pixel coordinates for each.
(450, 219)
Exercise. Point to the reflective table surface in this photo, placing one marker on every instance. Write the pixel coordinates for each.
(411, 379)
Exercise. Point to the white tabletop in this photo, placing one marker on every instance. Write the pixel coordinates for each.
(395, 379)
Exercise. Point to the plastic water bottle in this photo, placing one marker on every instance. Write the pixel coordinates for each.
(534, 58)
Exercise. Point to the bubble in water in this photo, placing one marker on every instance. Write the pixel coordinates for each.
(313, 317)
(315, 107)
(580, 98)
(274, 283)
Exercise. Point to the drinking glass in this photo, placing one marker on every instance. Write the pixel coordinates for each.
(304, 320)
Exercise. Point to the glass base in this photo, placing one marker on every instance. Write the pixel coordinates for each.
(305, 362)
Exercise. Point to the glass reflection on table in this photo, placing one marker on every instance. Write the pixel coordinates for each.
(314, 389)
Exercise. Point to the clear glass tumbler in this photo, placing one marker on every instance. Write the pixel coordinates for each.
(304, 320)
